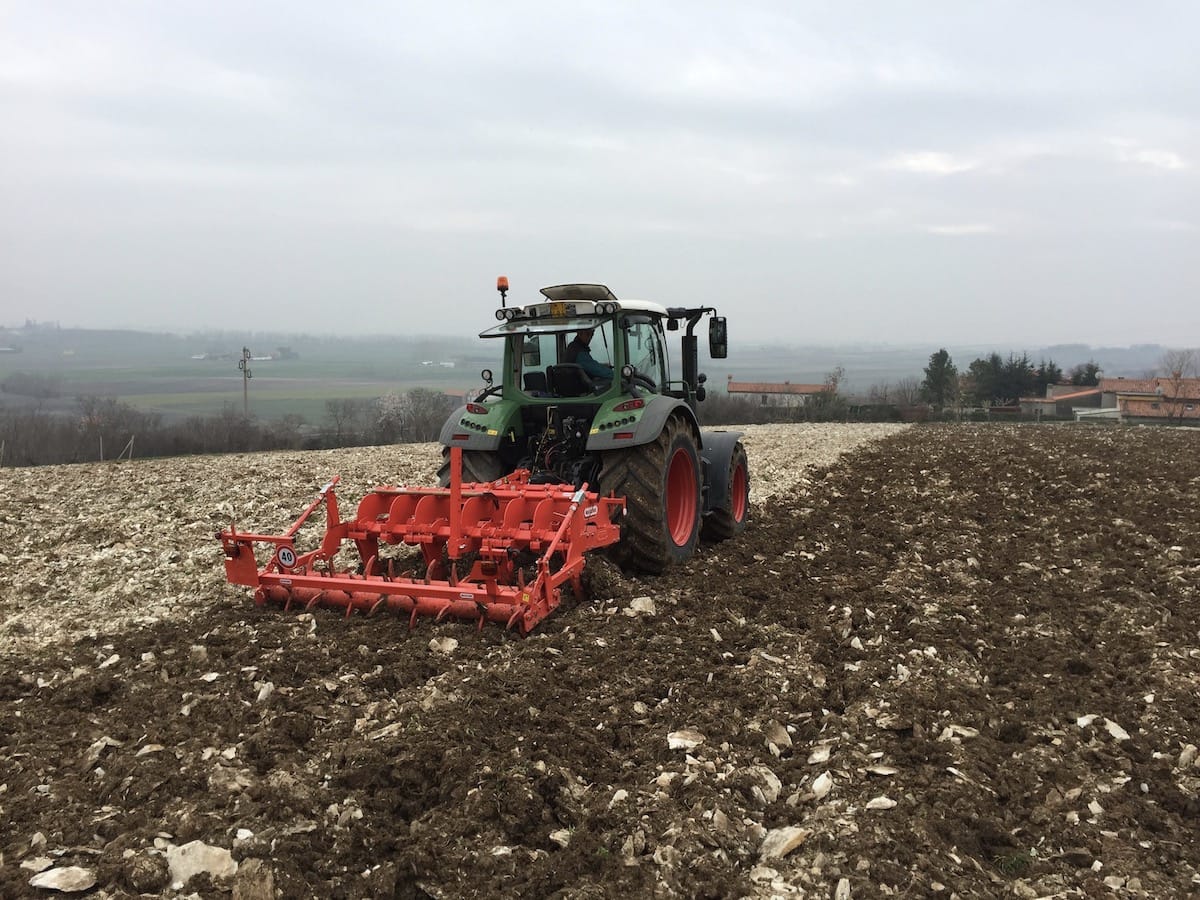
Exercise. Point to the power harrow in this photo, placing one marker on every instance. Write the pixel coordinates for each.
(498, 551)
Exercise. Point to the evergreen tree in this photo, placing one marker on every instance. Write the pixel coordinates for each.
(1048, 373)
(1018, 379)
(941, 380)
(986, 379)
(1086, 374)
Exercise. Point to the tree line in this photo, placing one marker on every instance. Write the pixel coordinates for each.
(995, 381)
(105, 428)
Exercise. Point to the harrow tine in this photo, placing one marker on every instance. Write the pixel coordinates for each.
(412, 619)
(375, 606)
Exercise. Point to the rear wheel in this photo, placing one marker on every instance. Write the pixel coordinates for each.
(660, 482)
(477, 465)
(729, 514)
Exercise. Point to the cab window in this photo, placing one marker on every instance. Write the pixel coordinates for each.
(601, 346)
(534, 353)
(646, 352)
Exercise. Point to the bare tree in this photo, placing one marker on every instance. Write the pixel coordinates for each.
(423, 413)
(389, 417)
(908, 391)
(348, 417)
(1180, 363)
(827, 405)
(1179, 366)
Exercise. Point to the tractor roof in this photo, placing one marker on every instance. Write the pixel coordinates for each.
(568, 307)
(598, 293)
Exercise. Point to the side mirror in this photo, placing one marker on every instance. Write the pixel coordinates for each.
(531, 353)
(718, 338)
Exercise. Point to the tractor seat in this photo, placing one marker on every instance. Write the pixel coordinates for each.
(569, 380)
(535, 383)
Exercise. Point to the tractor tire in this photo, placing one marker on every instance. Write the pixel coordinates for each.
(729, 514)
(660, 482)
(477, 465)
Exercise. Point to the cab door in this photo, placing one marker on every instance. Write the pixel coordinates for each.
(647, 349)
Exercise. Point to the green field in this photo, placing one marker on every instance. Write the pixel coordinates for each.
(265, 404)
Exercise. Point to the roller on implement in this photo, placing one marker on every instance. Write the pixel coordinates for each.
(587, 442)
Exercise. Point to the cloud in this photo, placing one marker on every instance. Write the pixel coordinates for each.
(1170, 225)
(931, 163)
(966, 229)
(1129, 151)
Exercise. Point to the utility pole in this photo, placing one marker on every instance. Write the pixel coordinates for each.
(244, 365)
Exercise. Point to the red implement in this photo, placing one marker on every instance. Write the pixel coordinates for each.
(498, 551)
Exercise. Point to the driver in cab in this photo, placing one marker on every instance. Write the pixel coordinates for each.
(579, 352)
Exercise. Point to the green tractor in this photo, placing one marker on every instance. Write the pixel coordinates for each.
(607, 413)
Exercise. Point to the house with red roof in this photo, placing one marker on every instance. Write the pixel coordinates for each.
(765, 393)
(1061, 401)
(1153, 400)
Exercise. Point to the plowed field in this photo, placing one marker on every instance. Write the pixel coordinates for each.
(949, 661)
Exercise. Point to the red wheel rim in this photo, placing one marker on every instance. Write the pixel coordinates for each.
(681, 497)
(739, 498)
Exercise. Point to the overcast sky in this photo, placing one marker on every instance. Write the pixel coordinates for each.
(937, 172)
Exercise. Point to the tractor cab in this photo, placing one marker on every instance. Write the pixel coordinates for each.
(626, 347)
(581, 349)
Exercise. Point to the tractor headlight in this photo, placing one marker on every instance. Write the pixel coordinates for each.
(500, 314)
(606, 308)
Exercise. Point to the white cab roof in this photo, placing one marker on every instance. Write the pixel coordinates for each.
(597, 293)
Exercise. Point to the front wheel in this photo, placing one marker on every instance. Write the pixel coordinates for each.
(660, 482)
(729, 514)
